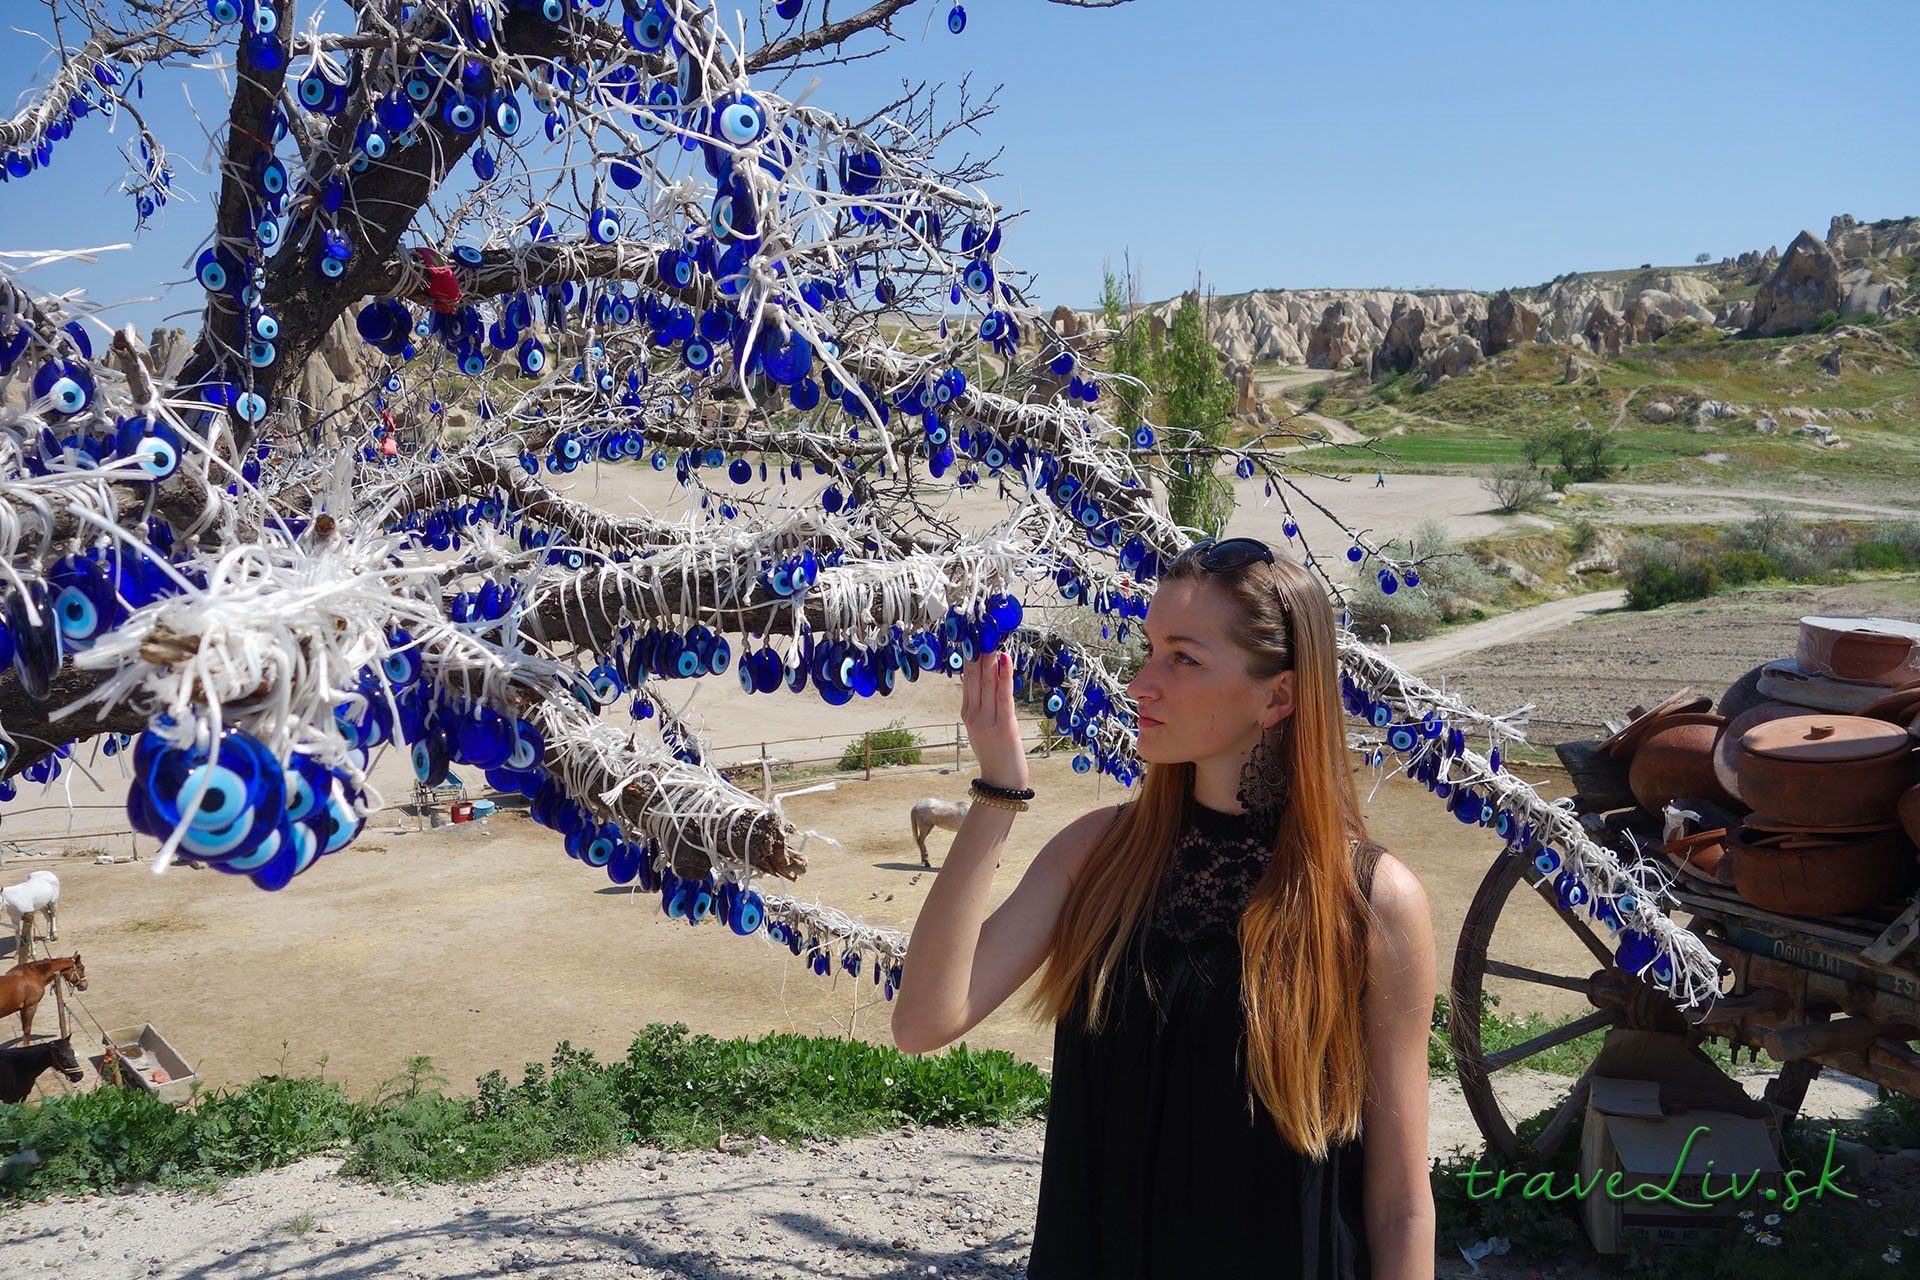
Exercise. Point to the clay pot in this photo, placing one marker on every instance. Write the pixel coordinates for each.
(1676, 759)
(1642, 722)
(1824, 771)
(1820, 875)
(1726, 745)
(1882, 651)
(1909, 811)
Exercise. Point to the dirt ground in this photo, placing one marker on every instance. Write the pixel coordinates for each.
(483, 945)
(1598, 666)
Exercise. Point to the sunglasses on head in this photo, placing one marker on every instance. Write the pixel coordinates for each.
(1224, 557)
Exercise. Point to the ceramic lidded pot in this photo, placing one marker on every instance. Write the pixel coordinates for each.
(1675, 759)
(1824, 770)
(1809, 874)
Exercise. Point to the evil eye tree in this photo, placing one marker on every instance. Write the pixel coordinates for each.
(610, 232)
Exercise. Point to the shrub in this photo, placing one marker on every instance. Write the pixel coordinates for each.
(1657, 572)
(1825, 321)
(1452, 585)
(1881, 556)
(1580, 536)
(1741, 565)
(1517, 486)
(895, 744)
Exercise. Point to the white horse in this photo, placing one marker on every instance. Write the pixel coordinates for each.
(930, 813)
(38, 892)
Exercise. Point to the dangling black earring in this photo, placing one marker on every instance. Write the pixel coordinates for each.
(1265, 785)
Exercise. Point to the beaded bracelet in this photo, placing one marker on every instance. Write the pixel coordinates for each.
(1009, 793)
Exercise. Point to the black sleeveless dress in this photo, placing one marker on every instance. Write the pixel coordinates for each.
(1152, 1168)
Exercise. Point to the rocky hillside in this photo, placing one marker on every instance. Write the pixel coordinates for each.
(1871, 268)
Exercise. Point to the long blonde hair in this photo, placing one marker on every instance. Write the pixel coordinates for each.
(1302, 937)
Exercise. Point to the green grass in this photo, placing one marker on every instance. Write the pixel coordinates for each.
(1477, 420)
(672, 1090)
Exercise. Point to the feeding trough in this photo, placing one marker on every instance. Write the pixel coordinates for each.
(141, 1058)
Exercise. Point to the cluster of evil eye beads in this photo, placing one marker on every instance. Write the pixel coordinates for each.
(64, 393)
(1427, 744)
(236, 808)
(83, 597)
(96, 91)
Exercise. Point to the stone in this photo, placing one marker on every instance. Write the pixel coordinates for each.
(1460, 354)
(1510, 322)
(1830, 363)
(1657, 411)
(1335, 341)
(1860, 1159)
(1766, 426)
(1405, 344)
(1604, 331)
(1803, 287)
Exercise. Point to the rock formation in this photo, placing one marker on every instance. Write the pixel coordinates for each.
(1801, 288)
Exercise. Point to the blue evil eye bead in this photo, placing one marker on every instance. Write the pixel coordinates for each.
(956, 19)
(603, 225)
(1546, 862)
(1432, 726)
(979, 280)
(1142, 438)
(503, 114)
(789, 9)
(223, 11)
(431, 759)
(740, 120)
(1381, 715)
(625, 175)
(462, 113)
(746, 913)
(1082, 764)
(217, 270)
(1402, 738)
(1355, 554)
(533, 358)
(270, 176)
(648, 31)
(696, 354)
(1636, 951)
(85, 605)
(401, 666)
(600, 849)
(64, 385)
(1412, 578)
(250, 406)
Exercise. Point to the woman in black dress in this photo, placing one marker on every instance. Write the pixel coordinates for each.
(1242, 983)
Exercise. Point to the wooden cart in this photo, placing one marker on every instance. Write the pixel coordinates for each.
(1840, 992)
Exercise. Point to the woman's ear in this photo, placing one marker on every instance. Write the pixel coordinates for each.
(1279, 700)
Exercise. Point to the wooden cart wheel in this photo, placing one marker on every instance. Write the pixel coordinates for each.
(1487, 950)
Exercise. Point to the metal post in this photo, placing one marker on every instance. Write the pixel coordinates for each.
(869, 739)
(766, 776)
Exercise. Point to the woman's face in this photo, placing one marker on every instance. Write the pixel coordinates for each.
(1196, 700)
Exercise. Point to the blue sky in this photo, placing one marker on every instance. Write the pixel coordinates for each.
(1262, 145)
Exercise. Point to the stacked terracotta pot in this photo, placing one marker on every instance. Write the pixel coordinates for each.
(1811, 773)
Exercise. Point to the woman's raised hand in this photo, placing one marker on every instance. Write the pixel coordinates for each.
(986, 708)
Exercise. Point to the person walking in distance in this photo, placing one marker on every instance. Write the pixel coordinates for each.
(1241, 982)
(1380, 480)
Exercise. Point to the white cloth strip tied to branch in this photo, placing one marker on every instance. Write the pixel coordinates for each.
(836, 928)
(1414, 697)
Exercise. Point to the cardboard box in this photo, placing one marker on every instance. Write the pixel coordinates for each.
(1661, 1114)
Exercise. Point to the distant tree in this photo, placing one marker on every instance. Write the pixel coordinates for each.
(1197, 401)
(1128, 351)
(1703, 258)
(1518, 486)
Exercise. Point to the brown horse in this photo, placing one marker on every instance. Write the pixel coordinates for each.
(22, 986)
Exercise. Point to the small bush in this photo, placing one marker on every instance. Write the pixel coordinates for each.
(1881, 556)
(1825, 321)
(1657, 573)
(1517, 487)
(1580, 536)
(1740, 566)
(895, 744)
(1452, 586)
